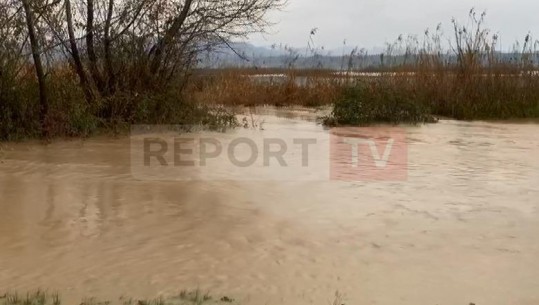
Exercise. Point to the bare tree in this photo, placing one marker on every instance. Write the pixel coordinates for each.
(150, 41)
(34, 44)
(124, 46)
(76, 55)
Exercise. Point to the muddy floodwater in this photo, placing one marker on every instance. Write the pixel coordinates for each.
(463, 227)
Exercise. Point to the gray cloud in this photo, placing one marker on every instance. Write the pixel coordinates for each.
(371, 23)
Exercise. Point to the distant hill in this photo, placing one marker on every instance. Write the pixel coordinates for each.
(242, 54)
(246, 55)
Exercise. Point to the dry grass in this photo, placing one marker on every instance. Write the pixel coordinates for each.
(431, 88)
(420, 78)
(235, 88)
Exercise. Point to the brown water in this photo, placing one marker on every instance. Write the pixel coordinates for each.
(463, 228)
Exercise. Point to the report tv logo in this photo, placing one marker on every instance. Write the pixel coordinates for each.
(342, 154)
(368, 154)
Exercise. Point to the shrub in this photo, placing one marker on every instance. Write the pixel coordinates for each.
(377, 103)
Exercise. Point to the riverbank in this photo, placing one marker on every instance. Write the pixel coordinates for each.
(209, 99)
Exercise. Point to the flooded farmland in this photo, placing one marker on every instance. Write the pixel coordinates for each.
(462, 228)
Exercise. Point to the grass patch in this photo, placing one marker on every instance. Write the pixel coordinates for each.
(421, 97)
(369, 104)
(70, 116)
(193, 297)
(36, 298)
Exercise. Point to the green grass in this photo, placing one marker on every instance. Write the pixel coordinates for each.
(36, 298)
(371, 104)
(420, 98)
(70, 116)
(194, 297)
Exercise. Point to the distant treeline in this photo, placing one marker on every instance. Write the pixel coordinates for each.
(354, 62)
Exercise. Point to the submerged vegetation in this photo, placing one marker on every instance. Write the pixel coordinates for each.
(417, 81)
(194, 297)
(72, 67)
(365, 105)
(116, 66)
(70, 116)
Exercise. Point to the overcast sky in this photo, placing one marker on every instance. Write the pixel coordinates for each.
(371, 23)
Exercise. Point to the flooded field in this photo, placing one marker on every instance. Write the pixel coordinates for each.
(462, 228)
